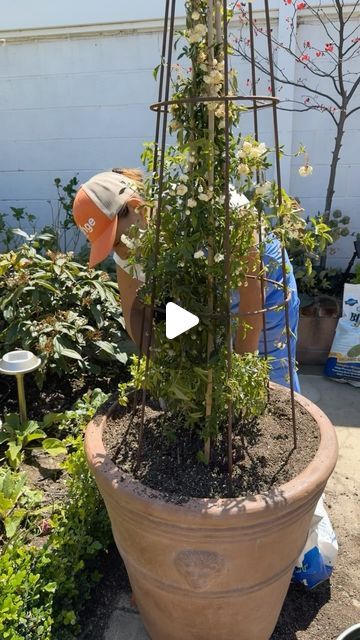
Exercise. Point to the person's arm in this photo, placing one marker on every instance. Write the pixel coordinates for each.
(247, 340)
(132, 308)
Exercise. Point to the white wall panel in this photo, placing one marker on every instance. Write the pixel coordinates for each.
(76, 104)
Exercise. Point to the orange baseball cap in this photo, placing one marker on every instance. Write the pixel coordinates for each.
(96, 207)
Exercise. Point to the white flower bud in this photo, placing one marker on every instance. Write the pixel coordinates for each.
(306, 170)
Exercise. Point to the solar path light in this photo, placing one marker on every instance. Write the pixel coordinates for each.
(18, 363)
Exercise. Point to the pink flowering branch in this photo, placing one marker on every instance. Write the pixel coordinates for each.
(340, 47)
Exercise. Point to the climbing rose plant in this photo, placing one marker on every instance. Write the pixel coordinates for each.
(191, 374)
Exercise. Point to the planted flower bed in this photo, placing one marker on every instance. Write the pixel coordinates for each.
(53, 527)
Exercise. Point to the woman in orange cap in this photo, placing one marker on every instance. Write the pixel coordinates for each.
(111, 202)
(104, 208)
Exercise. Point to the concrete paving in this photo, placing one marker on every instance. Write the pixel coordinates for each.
(341, 402)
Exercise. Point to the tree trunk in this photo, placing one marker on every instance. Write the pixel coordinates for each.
(340, 130)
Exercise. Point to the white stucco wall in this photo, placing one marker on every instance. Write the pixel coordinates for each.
(75, 86)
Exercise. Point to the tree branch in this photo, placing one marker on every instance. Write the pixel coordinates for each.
(353, 89)
(349, 113)
(284, 80)
(353, 11)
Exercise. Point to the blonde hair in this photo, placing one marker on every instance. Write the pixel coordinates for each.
(136, 175)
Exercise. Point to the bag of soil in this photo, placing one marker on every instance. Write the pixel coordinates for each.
(317, 560)
(343, 363)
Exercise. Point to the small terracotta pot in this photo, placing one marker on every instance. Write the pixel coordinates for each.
(211, 569)
(315, 337)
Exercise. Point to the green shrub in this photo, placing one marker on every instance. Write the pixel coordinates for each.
(42, 590)
(61, 234)
(66, 314)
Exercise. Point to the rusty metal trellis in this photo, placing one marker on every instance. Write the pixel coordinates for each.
(256, 102)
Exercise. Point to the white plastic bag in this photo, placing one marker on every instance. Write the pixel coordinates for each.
(343, 363)
(317, 560)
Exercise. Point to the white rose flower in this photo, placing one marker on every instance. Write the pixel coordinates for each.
(203, 67)
(219, 257)
(195, 15)
(184, 177)
(220, 111)
(127, 241)
(243, 169)
(197, 34)
(204, 197)
(306, 170)
(258, 151)
(191, 203)
(181, 190)
(199, 254)
(263, 189)
(247, 147)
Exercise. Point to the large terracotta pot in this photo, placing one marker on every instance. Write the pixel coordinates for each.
(211, 569)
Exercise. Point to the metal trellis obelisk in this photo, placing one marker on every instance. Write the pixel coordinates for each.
(217, 39)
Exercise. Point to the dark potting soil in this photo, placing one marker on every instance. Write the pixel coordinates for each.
(263, 451)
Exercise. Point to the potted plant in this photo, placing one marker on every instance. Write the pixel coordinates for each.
(320, 289)
(209, 548)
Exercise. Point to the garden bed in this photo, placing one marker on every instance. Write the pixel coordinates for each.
(55, 527)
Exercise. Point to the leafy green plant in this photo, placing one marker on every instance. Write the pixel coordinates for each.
(66, 314)
(62, 234)
(17, 501)
(313, 280)
(10, 237)
(66, 423)
(44, 588)
(20, 436)
(66, 234)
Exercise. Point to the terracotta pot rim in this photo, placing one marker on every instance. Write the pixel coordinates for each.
(299, 489)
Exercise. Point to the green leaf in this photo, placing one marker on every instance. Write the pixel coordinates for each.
(4, 437)
(122, 357)
(13, 454)
(35, 435)
(97, 315)
(46, 285)
(54, 447)
(53, 418)
(64, 351)
(105, 346)
(13, 420)
(156, 71)
(12, 523)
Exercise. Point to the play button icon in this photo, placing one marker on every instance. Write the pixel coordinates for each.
(178, 320)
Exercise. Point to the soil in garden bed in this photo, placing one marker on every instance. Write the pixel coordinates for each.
(263, 451)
